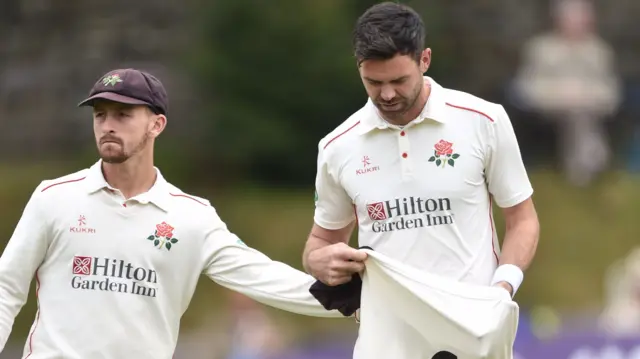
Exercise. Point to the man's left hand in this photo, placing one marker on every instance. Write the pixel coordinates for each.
(506, 286)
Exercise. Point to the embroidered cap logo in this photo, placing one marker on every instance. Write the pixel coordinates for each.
(111, 80)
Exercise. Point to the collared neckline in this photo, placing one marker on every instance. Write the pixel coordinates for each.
(433, 110)
(158, 194)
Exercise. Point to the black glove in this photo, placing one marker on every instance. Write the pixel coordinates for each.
(344, 297)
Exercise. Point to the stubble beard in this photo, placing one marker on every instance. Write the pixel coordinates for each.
(409, 104)
(121, 155)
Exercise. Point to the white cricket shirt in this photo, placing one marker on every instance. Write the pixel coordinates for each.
(422, 194)
(406, 313)
(114, 276)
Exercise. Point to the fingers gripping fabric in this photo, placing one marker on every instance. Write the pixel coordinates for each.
(344, 297)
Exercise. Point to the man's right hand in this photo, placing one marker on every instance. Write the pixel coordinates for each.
(335, 264)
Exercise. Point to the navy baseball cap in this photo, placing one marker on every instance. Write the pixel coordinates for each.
(132, 87)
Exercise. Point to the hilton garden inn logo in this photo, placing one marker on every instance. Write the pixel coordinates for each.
(409, 213)
(113, 275)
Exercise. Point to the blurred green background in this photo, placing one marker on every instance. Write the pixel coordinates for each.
(254, 85)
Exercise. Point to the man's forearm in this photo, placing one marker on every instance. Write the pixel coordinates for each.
(320, 238)
(313, 243)
(247, 271)
(520, 243)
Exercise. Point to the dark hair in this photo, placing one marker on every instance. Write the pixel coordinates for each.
(388, 29)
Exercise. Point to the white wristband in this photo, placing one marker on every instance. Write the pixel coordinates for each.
(508, 273)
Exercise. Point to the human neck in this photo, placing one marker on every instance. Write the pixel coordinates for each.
(132, 177)
(415, 110)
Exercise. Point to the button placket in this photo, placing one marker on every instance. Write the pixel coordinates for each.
(405, 154)
(117, 196)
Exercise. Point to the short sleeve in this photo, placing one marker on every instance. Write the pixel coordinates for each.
(334, 207)
(505, 172)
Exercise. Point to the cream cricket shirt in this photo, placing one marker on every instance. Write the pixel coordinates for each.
(423, 194)
(407, 313)
(114, 276)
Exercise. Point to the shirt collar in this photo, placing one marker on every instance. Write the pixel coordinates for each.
(158, 194)
(433, 110)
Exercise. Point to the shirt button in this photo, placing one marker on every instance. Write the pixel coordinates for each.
(404, 155)
(402, 133)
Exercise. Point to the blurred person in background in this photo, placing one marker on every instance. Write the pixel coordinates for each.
(621, 314)
(254, 335)
(416, 170)
(117, 250)
(568, 77)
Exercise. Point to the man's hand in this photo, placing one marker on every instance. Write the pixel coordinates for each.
(505, 286)
(335, 264)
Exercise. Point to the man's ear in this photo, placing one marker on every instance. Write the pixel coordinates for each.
(159, 122)
(425, 60)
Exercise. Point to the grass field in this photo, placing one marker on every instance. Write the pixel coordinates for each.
(582, 232)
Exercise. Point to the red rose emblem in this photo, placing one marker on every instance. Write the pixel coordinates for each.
(443, 148)
(164, 230)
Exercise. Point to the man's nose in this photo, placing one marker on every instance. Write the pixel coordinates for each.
(388, 93)
(108, 124)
